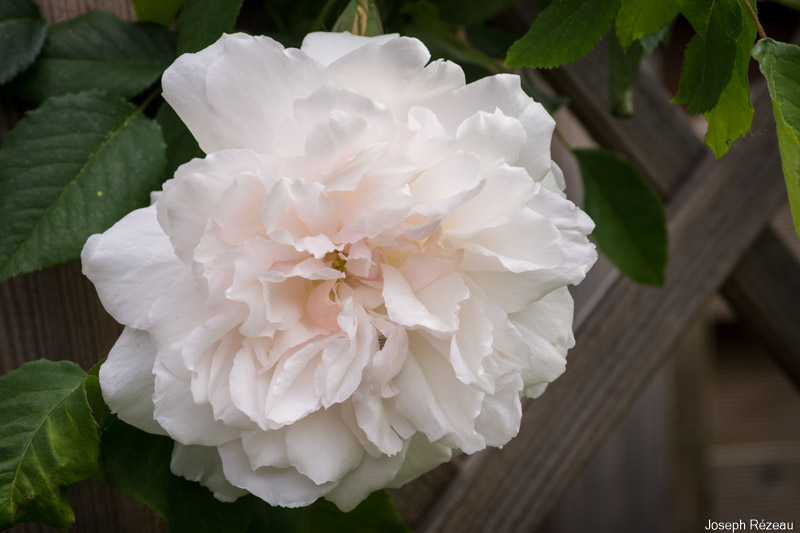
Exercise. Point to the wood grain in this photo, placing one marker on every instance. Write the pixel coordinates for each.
(764, 290)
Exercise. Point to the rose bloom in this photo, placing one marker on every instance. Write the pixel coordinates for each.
(365, 273)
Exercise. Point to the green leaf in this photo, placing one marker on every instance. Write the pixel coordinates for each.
(98, 51)
(631, 226)
(733, 114)
(202, 22)
(360, 17)
(48, 443)
(638, 18)
(69, 169)
(160, 11)
(376, 514)
(138, 463)
(192, 508)
(623, 66)
(693, 57)
(564, 32)
(94, 395)
(711, 55)
(22, 33)
(181, 145)
(780, 64)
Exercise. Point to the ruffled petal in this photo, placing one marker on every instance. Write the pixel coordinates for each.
(434, 400)
(174, 407)
(236, 92)
(503, 92)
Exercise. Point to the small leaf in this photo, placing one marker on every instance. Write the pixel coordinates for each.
(623, 66)
(780, 64)
(638, 18)
(160, 11)
(69, 169)
(202, 22)
(733, 114)
(48, 443)
(22, 33)
(710, 62)
(376, 514)
(98, 51)
(181, 145)
(360, 17)
(138, 463)
(631, 226)
(564, 32)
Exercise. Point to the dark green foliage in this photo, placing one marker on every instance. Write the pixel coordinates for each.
(631, 227)
(69, 169)
(564, 32)
(202, 22)
(98, 51)
(22, 33)
(48, 443)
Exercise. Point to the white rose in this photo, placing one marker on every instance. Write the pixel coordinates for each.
(365, 273)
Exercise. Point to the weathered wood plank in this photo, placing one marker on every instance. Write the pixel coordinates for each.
(622, 339)
(764, 291)
(691, 405)
(55, 11)
(626, 487)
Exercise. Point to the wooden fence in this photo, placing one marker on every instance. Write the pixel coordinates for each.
(718, 214)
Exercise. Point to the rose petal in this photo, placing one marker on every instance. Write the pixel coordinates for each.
(327, 47)
(546, 327)
(503, 92)
(174, 407)
(127, 379)
(321, 446)
(278, 486)
(131, 265)
(235, 93)
(203, 465)
(434, 400)
(395, 74)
